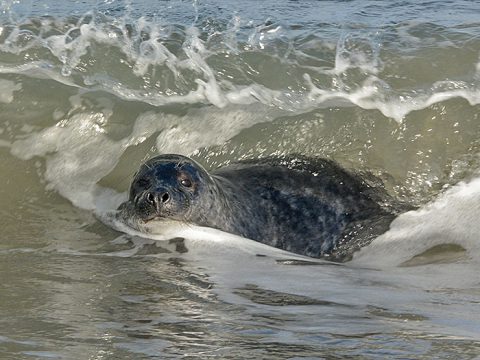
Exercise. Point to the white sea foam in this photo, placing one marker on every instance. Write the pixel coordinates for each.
(141, 46)
(7, 90)
(208, 127)
(201, 240)
(39, 70)
(78, 154)
(376, 94)
(450, 219)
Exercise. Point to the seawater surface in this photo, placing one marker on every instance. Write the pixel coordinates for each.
(89, 89)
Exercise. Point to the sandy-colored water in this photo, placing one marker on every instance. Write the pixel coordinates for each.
(89, 90)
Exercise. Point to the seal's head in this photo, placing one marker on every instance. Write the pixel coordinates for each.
(167, 187)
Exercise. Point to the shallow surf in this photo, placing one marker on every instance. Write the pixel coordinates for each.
(88, 90)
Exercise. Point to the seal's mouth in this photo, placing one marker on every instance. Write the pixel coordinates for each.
(156, 217)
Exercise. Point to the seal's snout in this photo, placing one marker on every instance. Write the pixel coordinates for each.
(157, 199)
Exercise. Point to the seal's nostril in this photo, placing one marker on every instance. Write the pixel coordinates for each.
(156, 199)
(165, 197)
(150, 198)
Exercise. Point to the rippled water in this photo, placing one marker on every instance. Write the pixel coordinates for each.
(90, 89)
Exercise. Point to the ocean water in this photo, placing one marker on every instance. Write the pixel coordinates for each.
(90, 89)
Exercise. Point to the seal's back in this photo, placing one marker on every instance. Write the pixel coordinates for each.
(308, 206)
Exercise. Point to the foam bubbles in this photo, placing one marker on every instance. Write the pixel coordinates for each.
(451, 219)
(7, 89)
(375, 94)
(162, 63)
(203, 241)
(79, 154)
(207, 127)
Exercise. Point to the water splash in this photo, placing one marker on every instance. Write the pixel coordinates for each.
(7, 90)
(450, 219)
(161, 63)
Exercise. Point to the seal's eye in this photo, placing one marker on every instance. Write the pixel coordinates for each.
(186, 182)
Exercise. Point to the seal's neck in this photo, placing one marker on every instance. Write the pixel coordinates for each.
(231, 209)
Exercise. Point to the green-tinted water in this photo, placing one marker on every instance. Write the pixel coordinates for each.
(89, 90)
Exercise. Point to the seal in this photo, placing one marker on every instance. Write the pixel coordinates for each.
(309, 206)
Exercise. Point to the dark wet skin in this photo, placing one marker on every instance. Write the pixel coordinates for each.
(307, 206)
